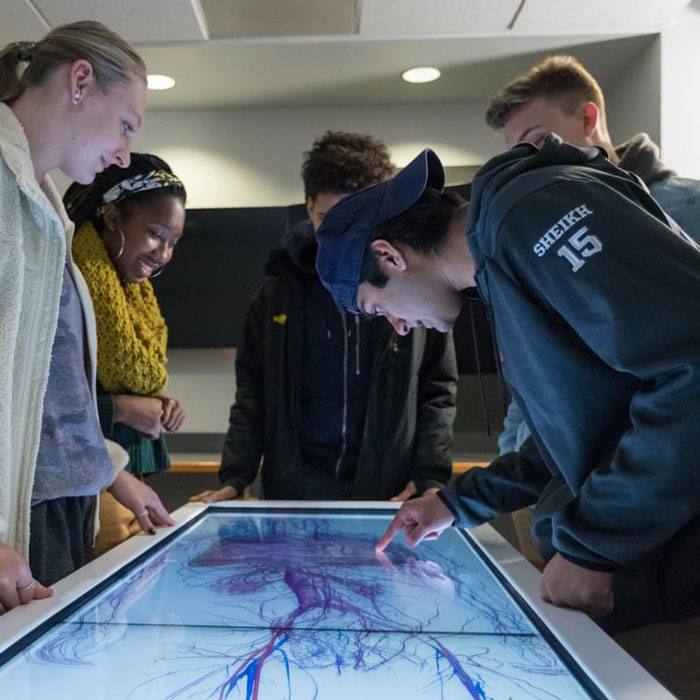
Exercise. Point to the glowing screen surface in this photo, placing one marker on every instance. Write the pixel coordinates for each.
(297, 607)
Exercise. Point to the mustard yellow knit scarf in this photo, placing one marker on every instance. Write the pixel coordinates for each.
(131, 333)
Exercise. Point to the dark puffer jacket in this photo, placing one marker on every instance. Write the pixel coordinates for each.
(410, 407)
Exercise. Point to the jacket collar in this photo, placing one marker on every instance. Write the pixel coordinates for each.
(14, 150)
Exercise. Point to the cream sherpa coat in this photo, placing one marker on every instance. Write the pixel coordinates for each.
(35, 235)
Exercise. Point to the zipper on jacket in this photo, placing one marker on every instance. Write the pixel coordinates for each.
(357, 346)
(345, 395)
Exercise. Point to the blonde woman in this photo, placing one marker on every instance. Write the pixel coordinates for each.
(71, 102)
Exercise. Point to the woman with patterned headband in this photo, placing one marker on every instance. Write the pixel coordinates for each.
(70, 101)
(128, 223)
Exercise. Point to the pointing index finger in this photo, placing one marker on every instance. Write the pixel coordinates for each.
(394, 527)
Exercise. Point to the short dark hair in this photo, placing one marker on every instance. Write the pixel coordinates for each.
(342, 162)
(561, 78)
(422, 227)
(84, 202)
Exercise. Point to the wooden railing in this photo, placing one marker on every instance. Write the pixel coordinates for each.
(183, 467)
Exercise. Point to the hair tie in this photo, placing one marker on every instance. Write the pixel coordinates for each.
(25, 51)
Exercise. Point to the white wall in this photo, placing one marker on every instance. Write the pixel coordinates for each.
(205, 382)
(680, 92)
(250, 158)
(634, 99)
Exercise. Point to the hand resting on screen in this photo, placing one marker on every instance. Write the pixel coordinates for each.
(225, 493)
(568, 585)
(142, 501)
(17, 585)
(410, 491)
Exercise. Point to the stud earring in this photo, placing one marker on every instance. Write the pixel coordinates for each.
(76, 97)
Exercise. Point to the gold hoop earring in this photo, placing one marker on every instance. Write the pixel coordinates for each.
(157, 274)
(121, 248)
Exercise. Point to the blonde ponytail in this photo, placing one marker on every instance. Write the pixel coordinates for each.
(10, 83)
(112, 58)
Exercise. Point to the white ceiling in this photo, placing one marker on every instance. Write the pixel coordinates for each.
(295, 74)
(342, 52)
(140, 21)
(420, 18)
(256, 18)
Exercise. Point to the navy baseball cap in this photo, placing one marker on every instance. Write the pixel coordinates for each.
(348, 227)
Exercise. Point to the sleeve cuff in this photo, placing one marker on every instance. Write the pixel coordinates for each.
(608, 568)
(239, 484)
(425, 484)
(119, 458)
(443, 497)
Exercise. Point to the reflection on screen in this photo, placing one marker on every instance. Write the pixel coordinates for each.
(300, 607)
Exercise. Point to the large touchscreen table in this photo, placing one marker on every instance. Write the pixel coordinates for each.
(297, 605)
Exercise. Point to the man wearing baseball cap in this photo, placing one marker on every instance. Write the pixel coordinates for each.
(595, 299)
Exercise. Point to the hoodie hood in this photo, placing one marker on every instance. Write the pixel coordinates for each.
(511, 176)
(641, 155)
(299, 251)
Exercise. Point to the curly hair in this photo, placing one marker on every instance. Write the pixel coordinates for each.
(562, 78)
(342, 162)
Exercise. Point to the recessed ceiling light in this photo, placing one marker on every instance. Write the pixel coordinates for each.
(160, 82)
(423, 74)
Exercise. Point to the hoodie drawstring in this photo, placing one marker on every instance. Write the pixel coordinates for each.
(499, 369)
(482, 391)
(339, 463)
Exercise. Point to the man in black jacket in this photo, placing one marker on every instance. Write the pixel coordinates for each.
(338, 406)
(595, 296)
